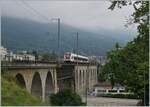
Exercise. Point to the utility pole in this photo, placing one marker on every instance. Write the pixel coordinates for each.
(77, 51)
(77, 48)
(74, 73)
(58, 46)
(58, 38)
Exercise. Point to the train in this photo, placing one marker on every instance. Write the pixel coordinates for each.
(72, 57)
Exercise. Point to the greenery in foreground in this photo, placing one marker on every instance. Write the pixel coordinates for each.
(129, 65)
(13, 95)
(66, 98)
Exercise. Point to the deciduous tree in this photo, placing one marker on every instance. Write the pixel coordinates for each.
(130, 65)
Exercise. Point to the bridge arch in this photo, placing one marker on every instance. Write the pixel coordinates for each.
(36, 86)
(49, 85)
(20, 80)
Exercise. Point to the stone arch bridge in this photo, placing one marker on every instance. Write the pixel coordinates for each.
(41, 79)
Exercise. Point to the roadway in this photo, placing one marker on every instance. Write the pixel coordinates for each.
(103, 101)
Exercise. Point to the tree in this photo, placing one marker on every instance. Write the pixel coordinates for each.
(65, 98)
(129, 65)
(35, 53)
(101, 76)
(117, 46)
(45, 57)
(53, 55)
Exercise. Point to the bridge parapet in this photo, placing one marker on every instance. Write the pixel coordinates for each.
(23, 64)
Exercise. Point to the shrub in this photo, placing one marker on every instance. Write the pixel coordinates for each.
(66, 98)
(129, 96)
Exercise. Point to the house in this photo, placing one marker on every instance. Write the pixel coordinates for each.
(24, 57)
(106, 87)
(5, 54)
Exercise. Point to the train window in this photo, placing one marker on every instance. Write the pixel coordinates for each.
(67, 55)
(78, 58)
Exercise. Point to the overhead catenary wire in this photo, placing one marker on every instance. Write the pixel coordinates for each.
(42, 16)
(31, 10)
(35, 11)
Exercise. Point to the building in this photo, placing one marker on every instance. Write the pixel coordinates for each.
(23, 57)
(6, 55)
(18, 57)
(9, 56)
(3, 53)
(106, 87)
(30, 57)
(102, 88)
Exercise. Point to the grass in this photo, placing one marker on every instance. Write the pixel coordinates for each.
(13, 95)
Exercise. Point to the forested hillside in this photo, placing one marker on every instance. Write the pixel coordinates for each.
(24, 34)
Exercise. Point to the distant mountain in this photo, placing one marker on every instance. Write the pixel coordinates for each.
(24, 34)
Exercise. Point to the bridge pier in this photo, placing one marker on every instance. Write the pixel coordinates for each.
(85, 77)
(55, 81)
(43, 80)
(28, 80)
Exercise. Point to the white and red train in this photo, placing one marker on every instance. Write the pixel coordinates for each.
(71, 57)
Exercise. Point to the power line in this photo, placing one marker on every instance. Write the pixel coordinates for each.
(34, 10)
(25, 8)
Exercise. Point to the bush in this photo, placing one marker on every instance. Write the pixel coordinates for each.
(66, 98)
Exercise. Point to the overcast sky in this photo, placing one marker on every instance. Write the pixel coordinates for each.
(91, 15)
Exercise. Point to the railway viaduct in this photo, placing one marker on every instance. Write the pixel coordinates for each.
(41, 79)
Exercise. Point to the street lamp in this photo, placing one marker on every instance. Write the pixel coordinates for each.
(77, 42)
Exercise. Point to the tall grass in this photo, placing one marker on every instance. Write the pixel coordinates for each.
(14, 95)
